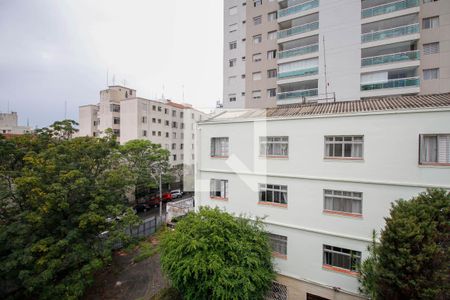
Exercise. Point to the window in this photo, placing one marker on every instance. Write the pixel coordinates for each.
(342, 201)
(174, 113)
(272, 54)
(277, 292)
(174, 135)
(159, 121)
(232, 97)
(174, 146)
(274, 146)
(231, 80)
(181, 146)
(435, 149)
(431, 74)
(257, 20)
(271, 93)
(159, 133)
(115, 107)
(116, 120)
(144, 133)
(219, 147)
(153, 133)
(428, 23)
(182, 125)
(174, 157)
(429, 1)
(272, 73)
(153, 120)
(159, 108)
(154, 107)
(344, 147)
(256, 95)
(272, 35)
(271, 193)
(243, 76)
(278, 243)
(144, 120)
(314, 297)
(116, 132)
(174, 125)
(257, 3)
(232, 10)
(233, 45)
(272, 16)
(166, 111)
(232, 62)
(257, 39)
(167, 134)
(257, 57)
(218, 188)
(232, 27)
(166, 122)
(243, 58)
(181, 114)
(431, 48)
(256, 76)
(341, 258)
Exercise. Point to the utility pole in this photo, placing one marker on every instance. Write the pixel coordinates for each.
(325, 68)
(160, 195)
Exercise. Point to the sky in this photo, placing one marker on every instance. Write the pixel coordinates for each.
(57, 53)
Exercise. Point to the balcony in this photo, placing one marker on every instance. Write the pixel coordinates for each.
(390, 33)
(390, 58)
(298, 51)
(392, 84)
(298, 30)
(298, 73)
(297, 94)
(388, 8)
(298, 8)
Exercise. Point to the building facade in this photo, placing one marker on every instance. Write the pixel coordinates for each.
(324, 175)
(164, 122)
(9, 124)
(327, 50)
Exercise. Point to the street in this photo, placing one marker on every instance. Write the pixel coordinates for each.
(155, 211)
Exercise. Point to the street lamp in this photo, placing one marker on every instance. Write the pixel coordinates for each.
(158, 166)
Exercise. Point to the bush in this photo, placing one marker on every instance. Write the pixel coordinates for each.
(214, 255)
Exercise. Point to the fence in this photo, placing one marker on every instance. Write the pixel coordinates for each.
(179, 208)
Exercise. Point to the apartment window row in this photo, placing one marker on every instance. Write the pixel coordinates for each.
(114, 107)
(435, 149)
(277, 146)
(219, 188)
(432, 22)
(343, 202)
(344, 147)
(431, 74)
(273, 194)
(219, 147)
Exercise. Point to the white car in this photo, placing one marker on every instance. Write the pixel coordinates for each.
(176, 194)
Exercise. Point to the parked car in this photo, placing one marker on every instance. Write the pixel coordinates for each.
(154, 199)
(176, 194)
(141, 207)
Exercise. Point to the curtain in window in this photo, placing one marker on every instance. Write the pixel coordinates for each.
(299, 65)
(374, 77)
(430, 149)
(444, 148)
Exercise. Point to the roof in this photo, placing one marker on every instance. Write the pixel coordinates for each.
(177, 105)
(399, 103)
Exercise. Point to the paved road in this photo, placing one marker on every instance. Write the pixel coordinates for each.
(155, 211)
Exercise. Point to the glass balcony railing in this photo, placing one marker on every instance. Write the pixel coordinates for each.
(391, 84)
(390, 58)
(298, 30)
(298, 8)
(298, 73)
(388, 8)
(390, 33)
(299, 51)
(297, 94)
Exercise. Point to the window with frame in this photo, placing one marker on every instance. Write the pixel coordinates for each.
(167, 134)
(278, 243)
(174, 157)
(431, 48)
(257, 20)
(166, 111)
(257, 39)
(432, 22)
(144, 119)
(256, 95)
(232, 62)
(341, 258)
(153, 120)
(233, 45)
(278, 291)
(232, 97)
(272, 35)
(272, 16)
(219, 147)
(115, 107)
(144, 133)
(159, 108)
(232, 27)
(174, 113)
(159, 133)
(256, 76)
(174, 146)
(232, 10)
(159, 121)
(272, 73)
(344, 202)
(257, 57)
(271, 93)
(273, 193)
(154, 107)
(344, 147)
(429, 1)
(257, 3)
(116, 120)
(166, 122)
(271, 54)
(174, 135)
(218, 188)
(277, 146)
(435, 149)
(431, 74)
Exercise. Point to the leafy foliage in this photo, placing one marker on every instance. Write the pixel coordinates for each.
(412, 258)
(214, 255)
(58, 194)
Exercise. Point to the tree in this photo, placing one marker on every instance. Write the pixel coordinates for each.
(214, 255)
(61, 196)
(412, 258)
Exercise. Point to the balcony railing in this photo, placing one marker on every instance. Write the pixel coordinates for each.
(298, 73)
(297, 94)
(391, 84)
(390, 58)
(388, 8)
(298, 51)
(298, 8)
(390, 33)
(298, 29)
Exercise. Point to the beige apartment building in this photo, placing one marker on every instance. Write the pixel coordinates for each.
(9, 124)
(291, 51)
(164, 122)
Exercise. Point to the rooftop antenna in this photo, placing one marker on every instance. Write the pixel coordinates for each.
(325, 68)
(107, 77)
(28, 122)
(114, 79)
(124, 82)
(65, 110)
(182, 96)
(162, 96)
(7, 108)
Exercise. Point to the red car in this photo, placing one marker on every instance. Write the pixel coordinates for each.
(154, 199)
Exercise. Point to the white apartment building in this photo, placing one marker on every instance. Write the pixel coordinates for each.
(322, 50)
(9, 124)
(324, 175)
(164, 122)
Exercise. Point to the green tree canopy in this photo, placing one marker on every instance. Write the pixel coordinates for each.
(412, 258)
(214, 255)
(59, 194)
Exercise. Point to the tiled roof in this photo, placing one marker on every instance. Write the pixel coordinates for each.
(177, 105)
(343, 107)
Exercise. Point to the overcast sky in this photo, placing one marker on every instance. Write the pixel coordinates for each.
(52, 51)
